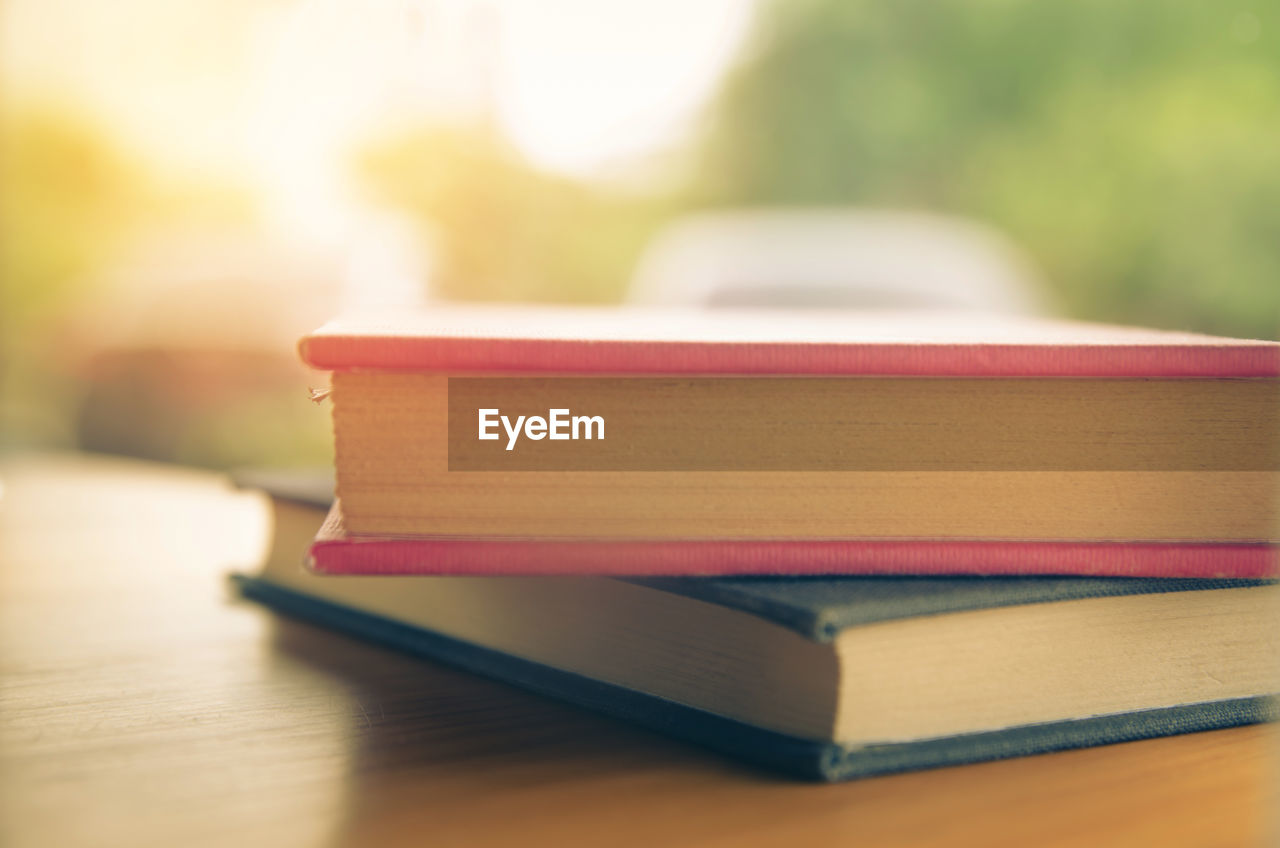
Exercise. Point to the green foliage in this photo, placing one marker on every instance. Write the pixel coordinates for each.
(63, 191)
(69, 200)
(1134, 148)
(503, 230)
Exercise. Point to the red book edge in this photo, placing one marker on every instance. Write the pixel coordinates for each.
(337, 552)
(639, 341)
(569, 356)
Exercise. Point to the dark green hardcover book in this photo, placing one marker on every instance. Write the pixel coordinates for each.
(823, 678)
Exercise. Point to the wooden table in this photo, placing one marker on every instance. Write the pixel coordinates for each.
(143, 704)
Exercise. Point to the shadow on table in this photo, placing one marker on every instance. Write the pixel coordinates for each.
(435, 747)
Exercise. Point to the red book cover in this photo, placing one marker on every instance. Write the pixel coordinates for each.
(601, 340)
(337, 552)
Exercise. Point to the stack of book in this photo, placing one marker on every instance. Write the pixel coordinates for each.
(837, 544)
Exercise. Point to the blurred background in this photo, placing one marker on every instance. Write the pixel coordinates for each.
(185, 188)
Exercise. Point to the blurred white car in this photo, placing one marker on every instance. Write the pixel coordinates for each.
(837, 257)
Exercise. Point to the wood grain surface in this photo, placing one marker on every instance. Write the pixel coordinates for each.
(144, 705)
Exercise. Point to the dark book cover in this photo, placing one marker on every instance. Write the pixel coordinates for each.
(795, 607)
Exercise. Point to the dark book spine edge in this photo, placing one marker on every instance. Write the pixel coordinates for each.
(823, 622)
(844, 764)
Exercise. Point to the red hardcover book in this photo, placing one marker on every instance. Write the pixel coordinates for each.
(796, 443)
